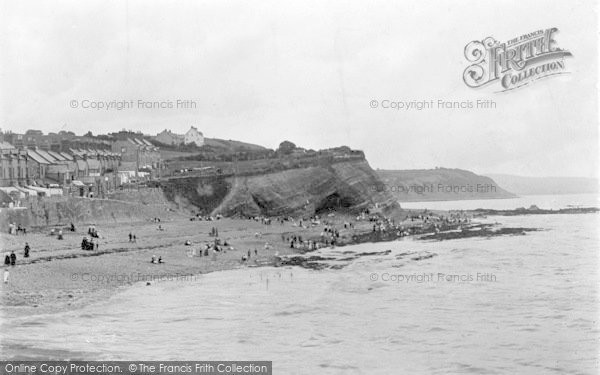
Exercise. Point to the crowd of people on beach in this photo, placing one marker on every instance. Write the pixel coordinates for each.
(200, 217)
(333, 232)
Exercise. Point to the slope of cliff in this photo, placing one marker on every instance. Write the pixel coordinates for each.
(346, 186)
(341, 186)
(439, 184)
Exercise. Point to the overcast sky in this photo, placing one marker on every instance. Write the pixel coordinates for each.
(306, 71)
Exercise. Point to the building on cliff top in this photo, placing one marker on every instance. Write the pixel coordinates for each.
(192, 136)
(169, 138)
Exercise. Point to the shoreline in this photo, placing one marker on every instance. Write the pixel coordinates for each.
(59, 276)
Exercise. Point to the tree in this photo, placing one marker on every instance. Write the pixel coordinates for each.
(286, 147)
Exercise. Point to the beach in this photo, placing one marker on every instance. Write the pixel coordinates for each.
(59, 275)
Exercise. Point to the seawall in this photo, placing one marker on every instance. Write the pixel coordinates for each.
(64, 210)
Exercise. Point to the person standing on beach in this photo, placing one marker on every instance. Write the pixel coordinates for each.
(13, 258)
(26, 251)
(7, 260)
(6, 276)
(130, 237)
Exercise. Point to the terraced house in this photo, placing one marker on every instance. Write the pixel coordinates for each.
(137, 154)
(13, 165)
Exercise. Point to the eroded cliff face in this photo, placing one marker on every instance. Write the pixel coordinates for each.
(348, 186)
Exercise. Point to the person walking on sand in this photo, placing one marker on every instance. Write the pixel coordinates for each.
(134, 239)
(6, 276)
(7, 260)
(130, 237)
(26, 251)
(13, 258)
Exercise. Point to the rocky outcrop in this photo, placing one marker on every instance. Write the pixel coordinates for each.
(341, 186)
(344, 185)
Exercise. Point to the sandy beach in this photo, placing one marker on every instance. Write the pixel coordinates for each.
(59, 275)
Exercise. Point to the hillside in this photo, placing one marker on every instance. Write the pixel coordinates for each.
(439, 184)
(546, 185)
(232, 146)
(213, 148)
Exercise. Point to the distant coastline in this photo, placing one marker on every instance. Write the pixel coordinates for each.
(521, 185)
(440, 184)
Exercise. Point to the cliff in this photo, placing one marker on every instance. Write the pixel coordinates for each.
(348, 186)
(439, 184)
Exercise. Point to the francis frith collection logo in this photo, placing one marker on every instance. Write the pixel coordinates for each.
(515, 63)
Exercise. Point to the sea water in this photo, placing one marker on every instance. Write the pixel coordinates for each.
(514, 304)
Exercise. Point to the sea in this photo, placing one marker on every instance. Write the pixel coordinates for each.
(524, 304)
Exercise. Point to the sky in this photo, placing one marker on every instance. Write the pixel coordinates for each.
(306, 71)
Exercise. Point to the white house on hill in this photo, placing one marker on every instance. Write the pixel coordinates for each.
(194, 136)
